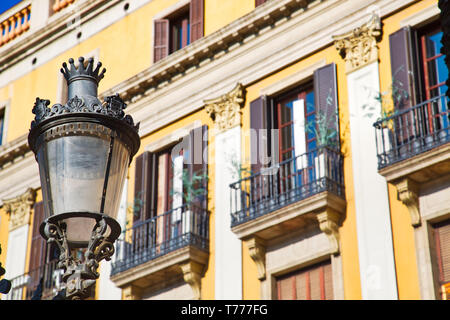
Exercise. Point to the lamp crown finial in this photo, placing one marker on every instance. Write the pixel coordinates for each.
(84, 70)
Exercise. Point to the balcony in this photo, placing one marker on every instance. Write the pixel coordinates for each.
(14, 23)
(422, 131)
(413, 149)
(304, 191)
(23, 286)
(169, 245)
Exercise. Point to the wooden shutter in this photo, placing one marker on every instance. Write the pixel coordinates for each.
(259, 2)
(196, 13)
(442, 238)
(161, 41)
(259, 126)
(312, 283)
(403, 46)
(198, 161)
(405, 80)
(145, 187)
(38, 246)
(325, 96)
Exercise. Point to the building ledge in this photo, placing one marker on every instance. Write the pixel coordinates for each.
(290, 218)
(189, 261)
(421, 168)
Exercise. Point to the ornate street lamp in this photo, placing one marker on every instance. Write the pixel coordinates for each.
(83, 149)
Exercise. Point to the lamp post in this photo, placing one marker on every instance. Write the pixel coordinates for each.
(83, 150)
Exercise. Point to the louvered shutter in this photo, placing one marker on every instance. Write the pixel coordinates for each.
(326, 103)
(259, 2)
(403, 46)
(145, 187)
(442, 237)
(259, 139)
(405, 85)
(197, 163)
(311, 283)
(196, 13)
(161, 41)
(38, 247)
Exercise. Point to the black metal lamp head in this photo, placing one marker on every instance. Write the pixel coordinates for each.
(83, 149)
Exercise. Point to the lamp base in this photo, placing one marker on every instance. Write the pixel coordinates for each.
(80, 274)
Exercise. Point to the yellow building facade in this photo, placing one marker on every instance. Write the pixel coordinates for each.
(314, 136)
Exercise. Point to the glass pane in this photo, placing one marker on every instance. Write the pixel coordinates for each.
(76, 168)
(310, 105)
(119, 164)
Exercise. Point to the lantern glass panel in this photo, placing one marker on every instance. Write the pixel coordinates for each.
(85, 173)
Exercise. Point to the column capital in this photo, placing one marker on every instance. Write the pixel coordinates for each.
(225, 110)
(358, 47)
(19, 208)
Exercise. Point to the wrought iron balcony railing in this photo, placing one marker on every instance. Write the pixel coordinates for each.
(23, 286)
(412, 131)
(187, 225)
(290, 181)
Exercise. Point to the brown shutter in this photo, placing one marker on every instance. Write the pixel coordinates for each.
(325, 95)
(161, 41)
(311, 283)
(442, 237)
(196, 13)
(259, 131)
(403, 46)
(145, 187)
(38, 246)
(259, 2)
(198, 161)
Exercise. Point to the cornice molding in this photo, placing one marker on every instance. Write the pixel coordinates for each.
(358, 47)
(205, 49)
(14, 149)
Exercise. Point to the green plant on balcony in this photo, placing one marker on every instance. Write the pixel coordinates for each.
(391, 101)
(194, 185)
(324, 125)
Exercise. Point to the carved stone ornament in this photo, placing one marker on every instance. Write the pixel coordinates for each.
(407, 191)
(225, 110)
(19, 209)
(329, 224)
(192, 274)
(359, 46)
(257, 250)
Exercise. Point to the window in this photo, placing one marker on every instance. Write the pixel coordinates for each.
(441, 233)
(304, 118)
(312, 283)
(162, 177)
(178, 29)
(295, 114)
(418, 90)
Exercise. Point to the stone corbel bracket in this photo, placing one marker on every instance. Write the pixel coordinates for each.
(226, 109)
(408, 193)
(192, 274)
(19, 208)
(359, 46)
(257, 250)
(329, 222)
